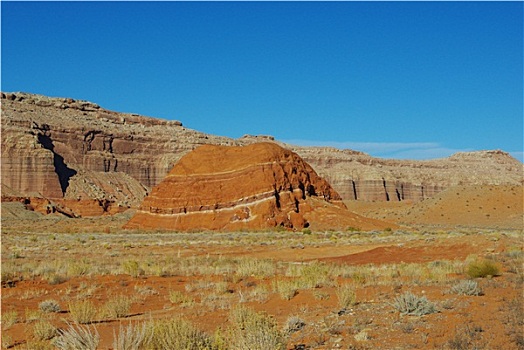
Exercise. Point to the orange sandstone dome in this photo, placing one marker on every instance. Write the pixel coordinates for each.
(258, 186)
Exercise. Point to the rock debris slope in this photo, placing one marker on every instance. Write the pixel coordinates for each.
(250, 187)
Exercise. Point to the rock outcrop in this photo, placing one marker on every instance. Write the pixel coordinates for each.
(228, 188)
(61, 148)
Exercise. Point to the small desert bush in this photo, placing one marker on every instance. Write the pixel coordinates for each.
(466, 338)
(117, 306)
(176, 333)
(55, 278)
(482, 268)
(82, 312)
(77, 337)
(49, 305)
(466, 287)
(44, 330)
(132, 337)
(294, 324)
(410, 304)
(346, 296)
(254, 331)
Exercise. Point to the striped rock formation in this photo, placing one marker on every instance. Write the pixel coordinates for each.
(250, 187)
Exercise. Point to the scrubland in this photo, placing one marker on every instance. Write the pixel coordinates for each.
(425, 289)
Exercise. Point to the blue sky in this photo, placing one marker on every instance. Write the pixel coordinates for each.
(394, 79)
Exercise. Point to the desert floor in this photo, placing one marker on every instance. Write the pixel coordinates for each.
(319, 290)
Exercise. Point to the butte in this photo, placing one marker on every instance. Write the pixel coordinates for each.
(254, 187)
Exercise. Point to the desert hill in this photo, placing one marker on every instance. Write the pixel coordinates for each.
(71, 151)
(257, 186)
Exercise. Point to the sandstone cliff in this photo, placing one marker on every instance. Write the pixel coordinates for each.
(258, 186)
(72, 150)
(356, 175)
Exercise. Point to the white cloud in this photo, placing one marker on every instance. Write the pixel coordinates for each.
(394, 150)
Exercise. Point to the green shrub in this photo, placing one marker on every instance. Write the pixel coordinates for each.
(482, 268)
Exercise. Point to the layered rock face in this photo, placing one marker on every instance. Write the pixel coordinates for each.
(357, 176)
(60, 148)
(218, 187)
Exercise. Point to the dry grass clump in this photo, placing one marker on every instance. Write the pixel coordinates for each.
(44, 330)
(9, 318)
(132, 337)
(132, 268)
(77, 337)
(117, 306)
(315, 275)
(254, 331)
(82, 312)
(256, 267)
(176, 333)
(346, 296)
(482, 268)
(286, 288)
(177, 297)
(410, 304)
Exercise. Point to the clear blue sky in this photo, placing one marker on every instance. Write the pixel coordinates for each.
(394, 79)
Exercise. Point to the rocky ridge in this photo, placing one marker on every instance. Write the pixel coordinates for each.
(61, 148)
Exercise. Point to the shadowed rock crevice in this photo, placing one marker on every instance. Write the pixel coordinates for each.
(63, 172)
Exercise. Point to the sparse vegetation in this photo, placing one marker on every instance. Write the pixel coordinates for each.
(205, 280)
